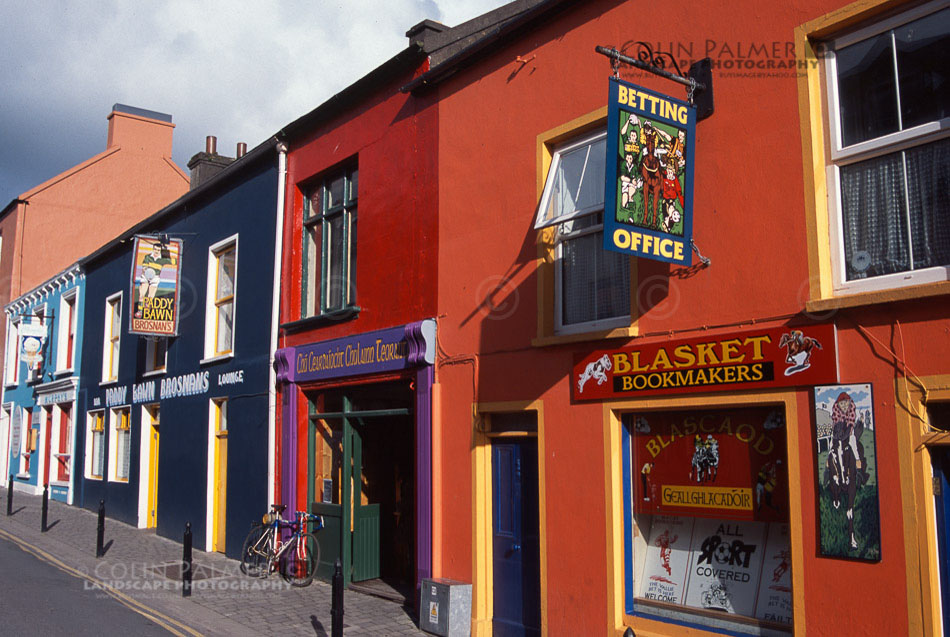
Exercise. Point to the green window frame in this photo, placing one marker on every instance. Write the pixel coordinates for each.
(329, 244)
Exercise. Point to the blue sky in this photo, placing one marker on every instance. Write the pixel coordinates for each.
(235, 69)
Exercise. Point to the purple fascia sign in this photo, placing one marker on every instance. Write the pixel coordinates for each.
(386, 350)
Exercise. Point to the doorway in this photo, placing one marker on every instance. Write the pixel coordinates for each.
(361, 479)
(515, 538)
(152, 430)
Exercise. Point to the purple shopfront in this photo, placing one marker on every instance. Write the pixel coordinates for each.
(355, 447)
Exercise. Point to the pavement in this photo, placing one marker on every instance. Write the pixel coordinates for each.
(223, 601)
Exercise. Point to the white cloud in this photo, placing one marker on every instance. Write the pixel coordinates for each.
(235, 69)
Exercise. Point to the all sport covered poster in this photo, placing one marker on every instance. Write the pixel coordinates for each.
(723, 464)
(156, 278)
(649, 197)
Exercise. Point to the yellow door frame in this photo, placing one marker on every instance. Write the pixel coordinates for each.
(151, 515)
(220, 499)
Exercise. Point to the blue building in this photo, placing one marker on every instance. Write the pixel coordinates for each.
(180, 428)
(40, 379)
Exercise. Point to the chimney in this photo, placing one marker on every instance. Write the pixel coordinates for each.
(138, 129)
(206, 165)
(241, 150)
(425, 29)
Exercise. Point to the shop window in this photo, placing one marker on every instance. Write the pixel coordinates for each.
(222, 297)
(591, 285)
(112, 329)
(11, 353)
(120, 445)
(329, 244)
(66, 333)
(95, 445)
(887, 93)
(27, 438)
(707, 537)
(35, 347)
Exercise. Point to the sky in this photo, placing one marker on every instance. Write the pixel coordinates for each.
(236, 69)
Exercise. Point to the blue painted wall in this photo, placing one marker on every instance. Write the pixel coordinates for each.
(24, 393)
(241, 202)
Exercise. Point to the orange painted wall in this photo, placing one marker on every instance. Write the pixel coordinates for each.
(749, 219)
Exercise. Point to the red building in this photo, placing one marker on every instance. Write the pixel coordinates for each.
(745, 445)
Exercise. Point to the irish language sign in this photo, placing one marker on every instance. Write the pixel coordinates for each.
(380, 351)
(649, 174)
(725, 464)
(777, 357)
(156, 274)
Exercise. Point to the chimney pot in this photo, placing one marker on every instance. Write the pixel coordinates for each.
(211, 145)
(241, 150)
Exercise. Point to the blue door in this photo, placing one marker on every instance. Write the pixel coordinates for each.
(515, 539)
(941, 463)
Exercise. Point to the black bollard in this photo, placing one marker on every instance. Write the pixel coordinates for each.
(101, 528)
(10, 496)
(186, 562)
(45, 508)
(336, 607)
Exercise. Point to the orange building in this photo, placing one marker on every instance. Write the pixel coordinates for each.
(748, 445)
(52, 225)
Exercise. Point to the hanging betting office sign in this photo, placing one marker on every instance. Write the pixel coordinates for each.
(649, 197)
(156, 275)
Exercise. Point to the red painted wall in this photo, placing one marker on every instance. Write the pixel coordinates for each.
(749, 219)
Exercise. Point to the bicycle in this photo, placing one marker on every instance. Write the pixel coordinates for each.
(265, 551)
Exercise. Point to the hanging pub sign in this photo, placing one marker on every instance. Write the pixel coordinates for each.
(32, 339)
(156, 278)
(649, 172)
(777, 357)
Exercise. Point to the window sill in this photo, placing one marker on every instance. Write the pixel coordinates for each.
(215, 359)
(22, 476)
(880, 296)
(63, 372)
(154, 372)
(103, 383)
(561, 339)
(59, 483)
(327, 318)
(99, 478)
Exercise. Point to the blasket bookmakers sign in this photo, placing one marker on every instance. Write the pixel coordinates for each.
(776, 357)
(648, 204)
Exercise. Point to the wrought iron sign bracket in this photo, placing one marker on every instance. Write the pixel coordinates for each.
(698, 80)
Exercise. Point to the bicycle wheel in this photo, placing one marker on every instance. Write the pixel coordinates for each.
(254, 554)
(300, 560)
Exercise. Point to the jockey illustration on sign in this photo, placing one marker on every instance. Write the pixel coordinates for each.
(765, 484)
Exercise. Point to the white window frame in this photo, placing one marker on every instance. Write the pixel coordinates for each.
(6, 435)
(563, 233)
(151, 350)
(11, 363)
(110, 364)
(886, 144)
(211, 352)
(67, 323)
(90, 444)
(38, 310)
(115, 419)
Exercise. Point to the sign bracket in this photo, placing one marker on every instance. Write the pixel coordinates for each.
(698, 81)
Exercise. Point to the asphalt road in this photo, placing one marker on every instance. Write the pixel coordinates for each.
(37, 598)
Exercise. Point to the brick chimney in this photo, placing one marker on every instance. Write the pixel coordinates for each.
(204, 166)
(138, 129)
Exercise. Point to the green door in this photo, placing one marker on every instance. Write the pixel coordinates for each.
(365, 516)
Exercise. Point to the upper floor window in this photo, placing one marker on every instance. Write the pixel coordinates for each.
(66, 333)
(11, 354)
(33, 345)
(592, 285)
(112, 335)
(156, 353)
(222, 296)
(329, 244)
(888, 90)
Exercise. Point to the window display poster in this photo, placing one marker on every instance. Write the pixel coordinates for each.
(666, 559)
(723, 464)
(848, 507)
(775, 586)
(156, 274)
(725, 563)
(649, 197)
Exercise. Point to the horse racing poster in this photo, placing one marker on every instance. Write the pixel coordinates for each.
(156, 278)
(727, 464)
(666, 561)
(849, 517)
(649, 174)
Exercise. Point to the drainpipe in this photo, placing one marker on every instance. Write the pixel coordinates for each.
(274, 321)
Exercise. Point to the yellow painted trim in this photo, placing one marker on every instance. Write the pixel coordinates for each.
(813, 119)
(152, 514)
(617, 620)
(915, 438)
(546, 142)
(482, 611)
